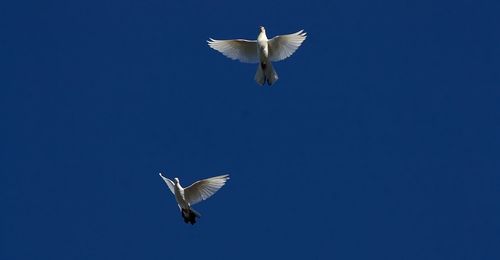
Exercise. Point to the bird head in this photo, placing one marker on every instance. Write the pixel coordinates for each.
(262, 29)
(176, 180)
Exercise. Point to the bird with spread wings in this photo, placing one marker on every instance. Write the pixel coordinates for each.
(262, 51)
(195, 193)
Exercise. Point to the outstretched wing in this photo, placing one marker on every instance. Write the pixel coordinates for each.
(169, 183)
(283, 46)
(242, 50)
(203, 189)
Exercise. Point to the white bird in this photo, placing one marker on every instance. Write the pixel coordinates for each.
(196, 192)
(261, 51)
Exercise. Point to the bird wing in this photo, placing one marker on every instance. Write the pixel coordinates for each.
(283, 46)
(203, 189)
(169, 183)
(239, 49)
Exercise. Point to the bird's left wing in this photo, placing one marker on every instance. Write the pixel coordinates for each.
(204, 189)
(242, 50)
(169, 183)
(283, 46)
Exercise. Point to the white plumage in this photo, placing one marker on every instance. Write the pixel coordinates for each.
(261, 51)
(196, 192)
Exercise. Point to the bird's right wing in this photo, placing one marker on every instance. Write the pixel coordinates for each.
(204, 189)
(283, 46)
(242, 50)
(169, 183)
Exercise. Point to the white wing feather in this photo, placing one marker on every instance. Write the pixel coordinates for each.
(242, 50)
(204, 189)
(283, 46)
(169, 183)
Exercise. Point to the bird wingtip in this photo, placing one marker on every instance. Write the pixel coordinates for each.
(224, 176)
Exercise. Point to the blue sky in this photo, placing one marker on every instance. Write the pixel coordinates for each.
(379, 141)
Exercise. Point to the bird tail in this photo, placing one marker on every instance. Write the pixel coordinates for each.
(195, 213)
(190, 215)
(266, 73)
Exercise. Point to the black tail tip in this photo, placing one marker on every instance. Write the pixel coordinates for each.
(266, 80)
(188, 216)
(269, 83)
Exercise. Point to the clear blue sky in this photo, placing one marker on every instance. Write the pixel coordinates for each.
(381, 139)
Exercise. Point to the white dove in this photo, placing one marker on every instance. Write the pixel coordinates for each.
(261, 51)
(198, 191)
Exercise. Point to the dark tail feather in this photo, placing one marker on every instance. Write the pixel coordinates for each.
(189, 215)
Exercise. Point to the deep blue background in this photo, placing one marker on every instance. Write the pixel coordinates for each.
(381, 140)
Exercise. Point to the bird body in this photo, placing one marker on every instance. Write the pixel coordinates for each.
(263, 48)
(195, 193)
(265, 71)
(179, 195)
(262, 51)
